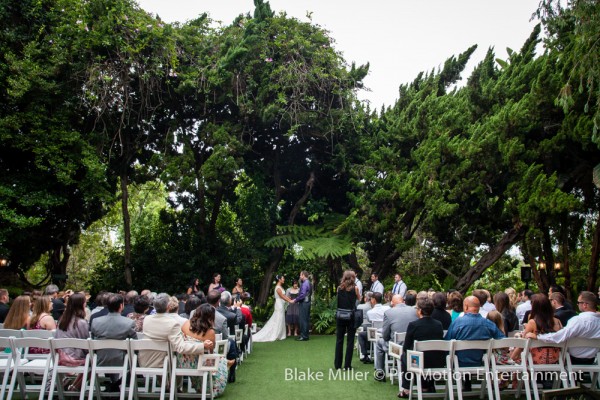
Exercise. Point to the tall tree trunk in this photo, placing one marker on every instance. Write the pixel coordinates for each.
(566, 268)
(593, 271)
(215, 212)
(510, 238)
(277, 253)
(126, 226)
(59, 258)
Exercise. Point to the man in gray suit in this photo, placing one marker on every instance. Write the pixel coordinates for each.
(113, 326)
(220, 325)
(396, 319)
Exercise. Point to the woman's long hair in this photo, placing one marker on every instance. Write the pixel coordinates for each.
(542, 313)
(41, 305)
(348, 281)
(502, 302)
(75, 309)
(203, 319)
(18, 313)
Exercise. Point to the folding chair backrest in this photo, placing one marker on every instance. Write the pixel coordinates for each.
(509, 342)
(11, 333)
(218, 336)
(583, 342)
(399, 337)
(38, 333)
(472, 345)
(22, 345)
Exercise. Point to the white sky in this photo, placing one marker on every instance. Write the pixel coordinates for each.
(399, 38)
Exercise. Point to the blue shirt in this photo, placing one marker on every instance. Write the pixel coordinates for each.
(472, 327)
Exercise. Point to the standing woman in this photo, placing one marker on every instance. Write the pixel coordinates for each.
(347, 294)
(216, 283)
(18, 315)
(292, 313)
(193, 287)
(238, 289)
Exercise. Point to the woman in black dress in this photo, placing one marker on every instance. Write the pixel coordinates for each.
(347, 294)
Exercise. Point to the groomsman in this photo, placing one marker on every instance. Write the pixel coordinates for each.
(376, 286)
(399, 286)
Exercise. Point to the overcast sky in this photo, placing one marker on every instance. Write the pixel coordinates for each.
(399, 38)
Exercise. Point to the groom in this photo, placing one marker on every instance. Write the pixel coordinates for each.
(303, 301)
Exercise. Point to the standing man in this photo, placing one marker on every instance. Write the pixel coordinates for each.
(399, 286)
(303, 300)
(4, 299)
(376, 286)
(359, 285)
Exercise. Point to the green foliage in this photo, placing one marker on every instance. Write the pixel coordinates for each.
(323, 315)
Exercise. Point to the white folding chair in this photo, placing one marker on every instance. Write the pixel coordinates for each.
(254, 328)
(59, 372)
(203, 371)
(6, 364)
(37, 366)
(97, 369)
(372, 339)
(239, 334)
(446, 346)
(140, 345)
(466, 371)
(578, 369)
(390, 359)
(556, 371)
(395, 354)
(249, 335)
(510, 369)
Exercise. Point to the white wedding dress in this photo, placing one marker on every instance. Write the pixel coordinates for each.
(274, 329)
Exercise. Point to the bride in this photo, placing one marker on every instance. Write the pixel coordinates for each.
(274, 329)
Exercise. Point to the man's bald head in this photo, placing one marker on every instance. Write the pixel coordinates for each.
(471, 305)
(397, 299)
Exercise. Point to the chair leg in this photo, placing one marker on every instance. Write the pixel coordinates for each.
(173, 391)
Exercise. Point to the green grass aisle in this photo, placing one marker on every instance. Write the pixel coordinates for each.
(268, 373)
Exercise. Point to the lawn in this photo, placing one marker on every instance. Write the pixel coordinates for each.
(288, 369)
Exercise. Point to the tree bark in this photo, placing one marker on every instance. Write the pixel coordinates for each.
(593, 270)
(511, 237)
(277, 253)
(126, 227)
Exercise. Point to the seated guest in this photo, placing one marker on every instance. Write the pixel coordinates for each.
(129, 300)
(524, 306)
(585, 325)
(41, 319)
(18, 315)
(161, 327)
(559, 289)
(424, 328)
(191, 304)
(561, 312)
(198, 329)
(73, 325)
(541, 320)
(472, 326)
(439, 310)
(4, 299)
(509, 318)
(488, 306)
(455, 304)
(375, 314)
(113, 326)
(141, 304)
(395, 319)
(173, 310)
(366, 306)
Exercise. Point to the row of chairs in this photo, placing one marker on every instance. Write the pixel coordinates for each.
(525, 372)
(17, 362)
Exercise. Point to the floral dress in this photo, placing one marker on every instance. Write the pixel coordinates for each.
(219, 378)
